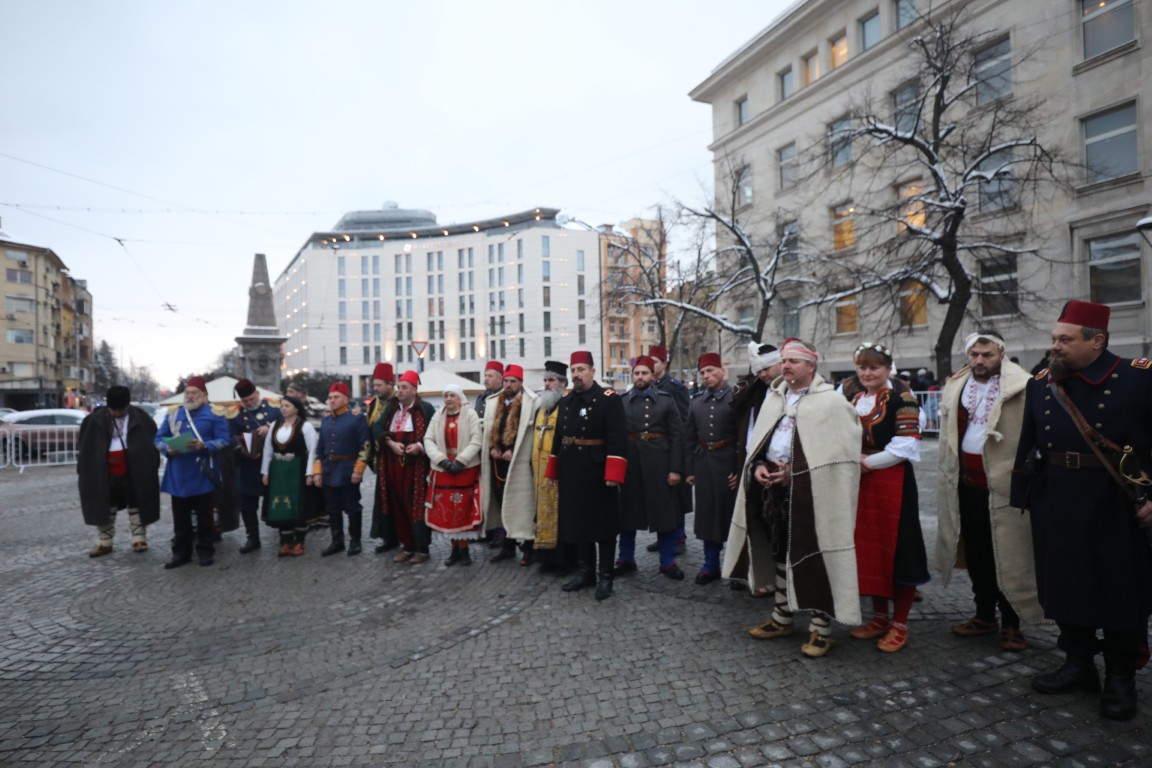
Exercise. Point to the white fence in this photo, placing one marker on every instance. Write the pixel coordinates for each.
(46, 446)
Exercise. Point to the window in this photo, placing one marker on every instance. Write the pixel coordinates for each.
(342, 310)
(810, 67)
(547, 346)
(367, 355)
(904, 11)
(790, 242)
(582, 332)
(519, 249)
(742, 113)
(786, 82)
(869, 30)
(19, 276)
(20, 336)
(491, 254)
(545, 271)
(789, 319)
(906, 107)
(579, 261)
(840, 142)
(364, 310)
(839, 48)
(1110, 143)
(343, 334)
(997, 286)
(786, 160)
(341, 289)
(1114, 272)
(376, 268)
(845, 314)
(993, 71)
(579, 286)
(545, 246)
(340, 265)
(913, 304)
(744, 186)
(547, 296)
(580, 309)
(13, 304)
(998, 192)
(1107, 25)
(911, 205)
(343, 355)
(843, 226)
(547, 321)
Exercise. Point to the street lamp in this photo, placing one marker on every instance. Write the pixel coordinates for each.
(1144, 226)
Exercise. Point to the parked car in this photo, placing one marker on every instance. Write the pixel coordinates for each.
(33, 433)
(6, 411)
(148, 408)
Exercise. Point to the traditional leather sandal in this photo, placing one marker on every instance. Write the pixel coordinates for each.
(771, 629)
(872, 630)
(896, 639)
(1012, 639)
(139, 546)
(975, 627)
(818, 645)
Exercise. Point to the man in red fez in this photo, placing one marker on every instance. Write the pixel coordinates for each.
(507, 494)
(383, 393)
(1084, 448)
(401, 480)
(493, 383)
(589, 464)
(249, 428)
(338, 469)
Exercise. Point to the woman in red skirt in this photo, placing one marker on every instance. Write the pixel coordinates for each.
(453, 442)
(890, 556)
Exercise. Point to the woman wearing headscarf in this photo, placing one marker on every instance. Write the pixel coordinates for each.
(285, 470)
(453, 443)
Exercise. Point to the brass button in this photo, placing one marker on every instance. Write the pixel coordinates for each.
(1115, 375)
(1100, 406)
(1099, 425)
(1047, 428)
(1107, 391)
(1049, 445)
(1047, 412)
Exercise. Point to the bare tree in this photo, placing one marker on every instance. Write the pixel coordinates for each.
(948, 143)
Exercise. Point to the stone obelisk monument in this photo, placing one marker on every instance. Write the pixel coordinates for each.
(260, 344)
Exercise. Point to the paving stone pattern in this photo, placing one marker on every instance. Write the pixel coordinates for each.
(263, 661)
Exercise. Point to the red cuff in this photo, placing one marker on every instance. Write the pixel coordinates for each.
(550, 470)
(615, 468)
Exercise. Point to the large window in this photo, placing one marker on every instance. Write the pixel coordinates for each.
(20, 336)
(1110, 147)
(913, 304)
(789, 319)
(786, 159)
(906, 107)
(744, 186)
(790, 242)
(844, 226)
(904, 11)
(869, 30)
(1107, 25)
(911, 205)
(998, 286)
(839, 48)
(810, 66)
(787, 83)
(1114, 272)
(19, 276)
(999, 191)
(742, 113)
(992, 70)
(840, 142)
(13, 304)
(844, 314)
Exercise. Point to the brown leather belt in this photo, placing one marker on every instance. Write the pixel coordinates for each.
(1069, 460)
(716, 445)
(581, 441)
(646, 435)
(341, 457)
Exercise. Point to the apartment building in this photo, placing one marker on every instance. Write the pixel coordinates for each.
(783, 104)
(634, 265)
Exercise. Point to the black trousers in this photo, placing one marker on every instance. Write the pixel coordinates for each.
(1121, 648)
(980, 556)
(183, 507)
(249, 513)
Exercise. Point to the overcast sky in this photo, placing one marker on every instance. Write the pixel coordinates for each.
(201, 133)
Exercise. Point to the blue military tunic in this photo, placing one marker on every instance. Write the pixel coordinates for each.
(247, 474)
(1093, 563)
(184, 476)
(342, 437)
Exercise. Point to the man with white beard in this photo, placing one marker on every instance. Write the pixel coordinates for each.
(191, 437)
(549, 551)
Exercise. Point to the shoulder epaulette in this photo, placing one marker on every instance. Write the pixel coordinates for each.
(697, 394)
(1142, 362)
(1042, 375)
(677, 382)
(663, 392)
(609, 391)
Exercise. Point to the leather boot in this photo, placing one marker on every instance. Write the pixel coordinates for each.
(336, 526)
(337, 545)
(1118, 701)
(353, 535)
(455, 557)
(586, 578)
(250, 546)
(604, 583)
(1078, 674)
(527, 553)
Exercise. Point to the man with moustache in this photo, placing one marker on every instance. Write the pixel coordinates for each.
(749, 392)
(249, 429)
(383, 393)
(711, 462)
(981, 411)
(338, 470)
(506, 488)
(589, 463)
(1082, 470)
(680, 395)
(493, 381)
(655, 467)
(403, 476)
(548, 550)
(193, 471)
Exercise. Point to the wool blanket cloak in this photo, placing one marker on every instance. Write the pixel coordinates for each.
(517, 513)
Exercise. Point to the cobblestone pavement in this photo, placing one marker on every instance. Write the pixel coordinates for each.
(358, 661)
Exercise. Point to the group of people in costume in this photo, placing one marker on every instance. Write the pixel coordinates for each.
(802, 490)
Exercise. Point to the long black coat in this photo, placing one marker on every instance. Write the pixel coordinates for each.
(589, 508)
(92, 465)
(1093, 563)
(712, 419)
(649, 502)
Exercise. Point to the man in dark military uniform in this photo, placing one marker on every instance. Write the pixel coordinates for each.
(589, 465)
(383, 393)
(1093, 560)
(666, 383)
(493, 385)
(712, 462)
(338, 469)
(655, 467)
(249, 429)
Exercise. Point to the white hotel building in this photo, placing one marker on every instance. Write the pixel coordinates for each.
(517, 288)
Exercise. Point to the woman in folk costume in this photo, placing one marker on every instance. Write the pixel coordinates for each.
(285, 470)
(890, 555)
(452, 443)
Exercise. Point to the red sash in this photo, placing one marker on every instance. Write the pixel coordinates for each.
(117, 463)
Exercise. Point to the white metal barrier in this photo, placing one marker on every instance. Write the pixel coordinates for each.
(45, 446)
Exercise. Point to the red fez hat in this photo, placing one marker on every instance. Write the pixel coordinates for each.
(383, 371)
(645, 361)
(198, 382)
(411, 377)
(659, 353)
(710, 359)
(1086, 313)
(514, 371)
(244, 387)
(583, 357)
(339, 386)
(495, 365)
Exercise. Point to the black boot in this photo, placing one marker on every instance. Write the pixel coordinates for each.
(465, 555)
(1118, 701)
(604, 583)
(337, 545)
(586, 578)
(353, 535)
(251, 545)
(507, 551)
(527, 553)
(455, 557)
(336, 526)
(1078, 674)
